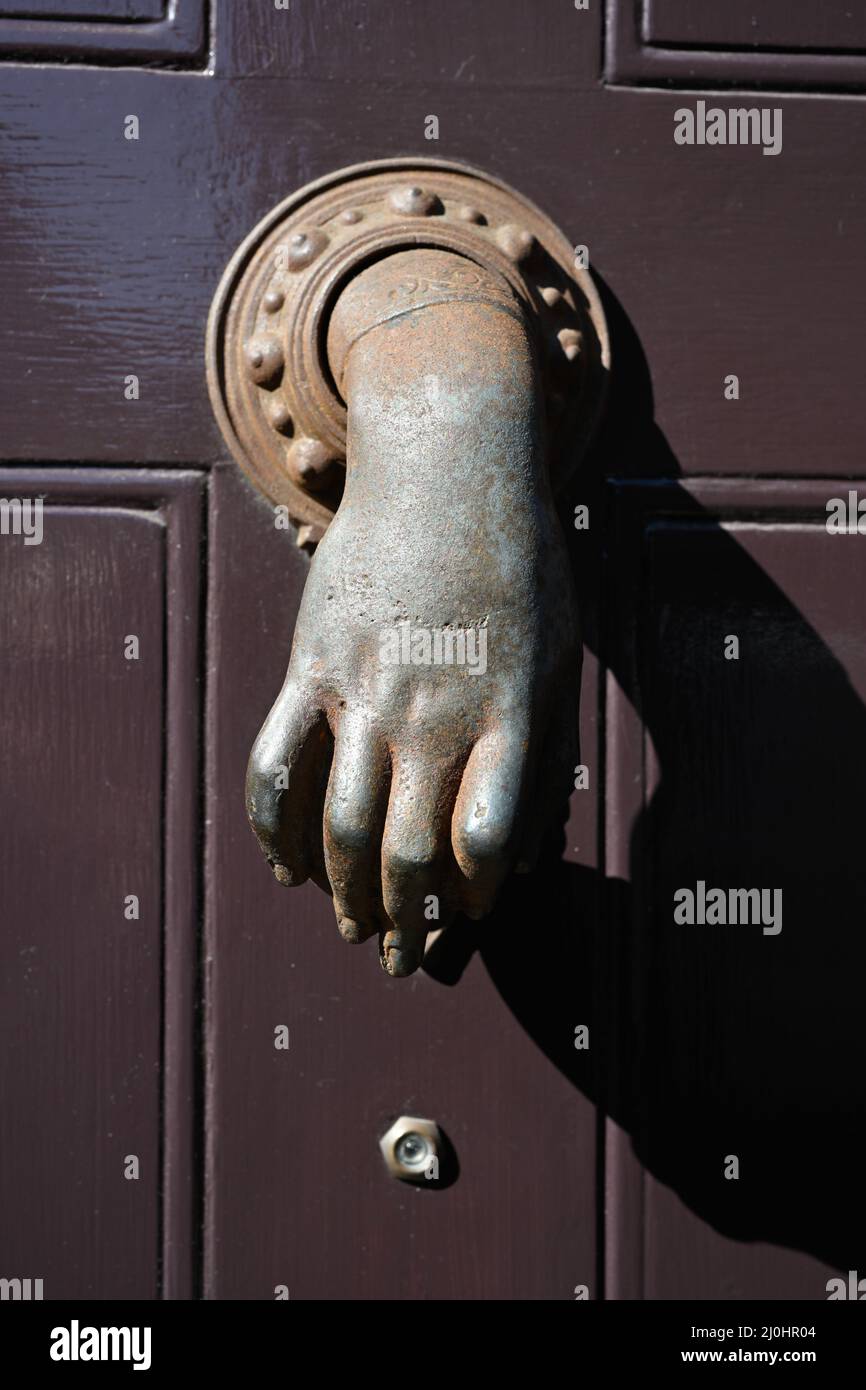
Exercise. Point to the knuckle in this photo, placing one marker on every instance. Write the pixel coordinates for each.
(409, 860)
(484, 842)
(347, 831)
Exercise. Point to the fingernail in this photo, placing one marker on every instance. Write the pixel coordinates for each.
(283, 875)
(400, 962)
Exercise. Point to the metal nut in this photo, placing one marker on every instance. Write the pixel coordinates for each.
(412, 1149)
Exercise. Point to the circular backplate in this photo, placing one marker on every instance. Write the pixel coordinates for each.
(268, 375)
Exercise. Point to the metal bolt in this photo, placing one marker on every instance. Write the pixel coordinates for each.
(411, 1149)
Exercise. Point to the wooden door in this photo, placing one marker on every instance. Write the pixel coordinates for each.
(148, 955)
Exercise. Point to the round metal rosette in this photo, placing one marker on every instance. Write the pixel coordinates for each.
(268, 374)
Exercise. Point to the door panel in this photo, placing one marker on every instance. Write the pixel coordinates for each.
(776, 45)
(105, 31)
(740, 1039)
(97, 1001)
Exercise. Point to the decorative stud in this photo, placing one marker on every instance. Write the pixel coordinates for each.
(308, 536)
(310, 462)
(280, 416)
(414, 201)
(516, 242)
(264, 358)
(570, 342)
(303, 246)
(281, 295)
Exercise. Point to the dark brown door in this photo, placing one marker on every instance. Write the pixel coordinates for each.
(147, 953)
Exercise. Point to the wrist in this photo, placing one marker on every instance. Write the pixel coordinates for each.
(437, 363)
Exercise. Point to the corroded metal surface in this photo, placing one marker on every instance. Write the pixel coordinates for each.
(426, 730)
(270, 382)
